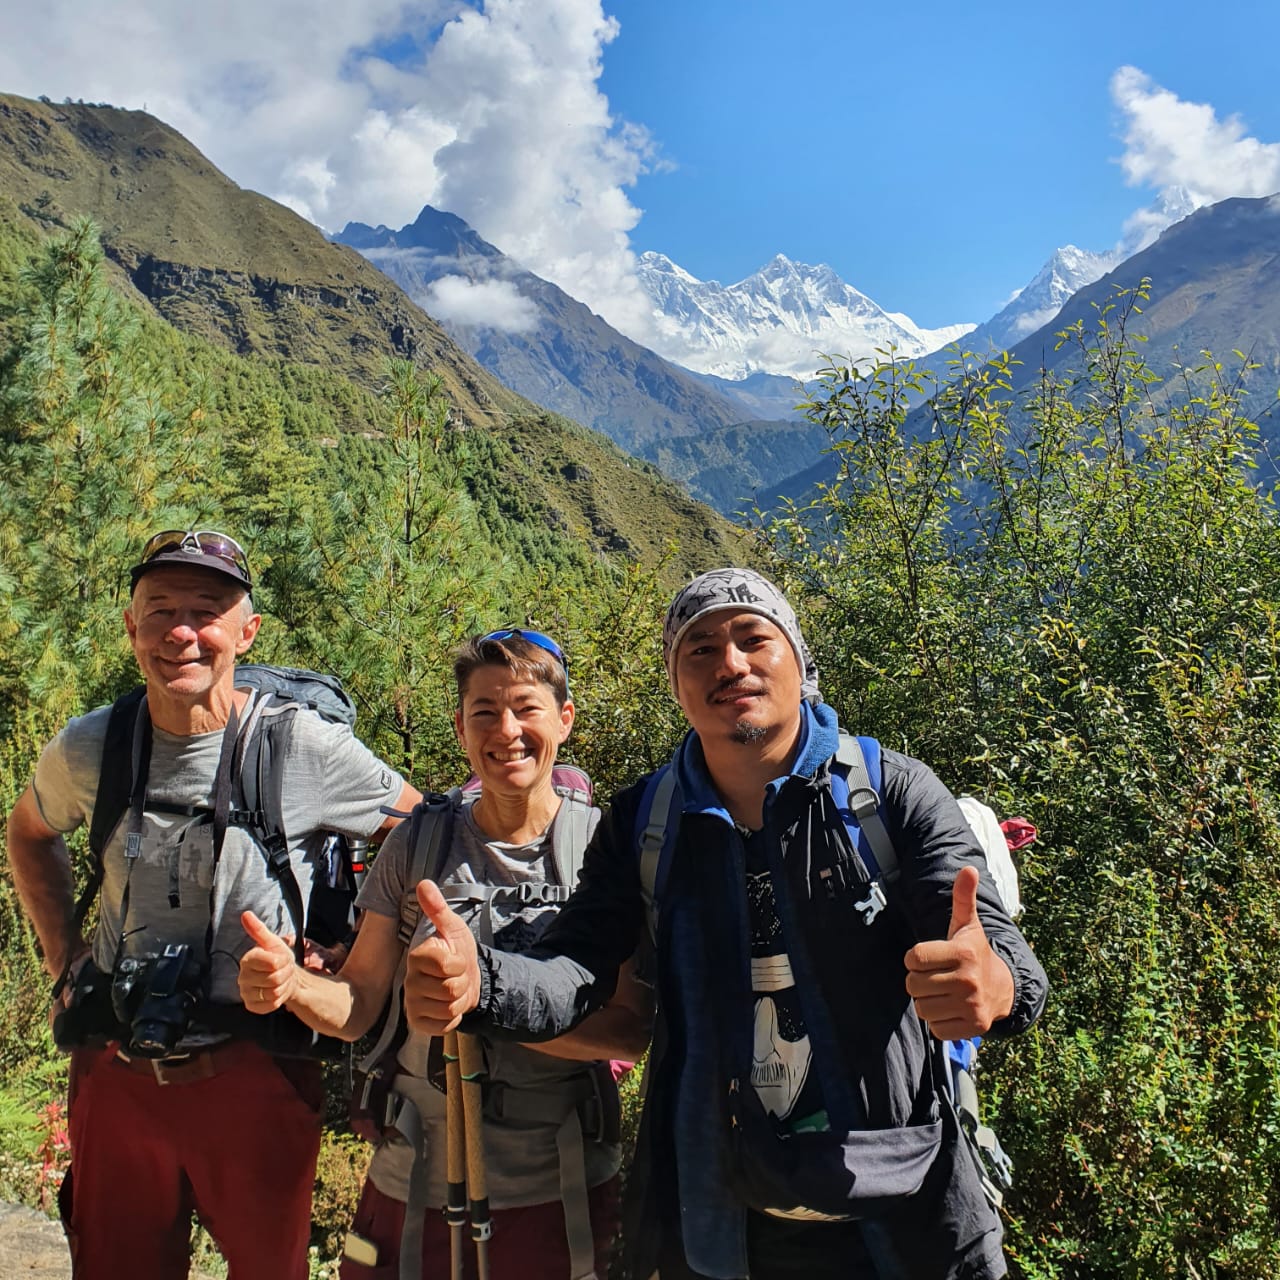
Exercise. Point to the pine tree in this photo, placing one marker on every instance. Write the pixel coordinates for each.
(91, 447)
(405, 574)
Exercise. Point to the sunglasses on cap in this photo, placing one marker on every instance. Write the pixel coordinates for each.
(536, 638)
(205, 542)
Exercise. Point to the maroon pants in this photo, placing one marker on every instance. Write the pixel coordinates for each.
(528, 1243)
(233, 1138)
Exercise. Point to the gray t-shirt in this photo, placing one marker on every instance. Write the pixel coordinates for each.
(331, 781)
(522, 1162)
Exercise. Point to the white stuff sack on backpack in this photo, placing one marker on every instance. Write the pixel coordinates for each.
(986, 826)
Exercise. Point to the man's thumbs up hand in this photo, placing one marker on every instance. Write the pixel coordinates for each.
(442, 974)
(960, 987)
(268, 976)
(964, 903)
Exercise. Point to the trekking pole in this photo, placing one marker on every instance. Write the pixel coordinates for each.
(471, 1066)
(455, 1212)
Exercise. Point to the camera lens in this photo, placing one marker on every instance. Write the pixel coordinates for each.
(154, 1039)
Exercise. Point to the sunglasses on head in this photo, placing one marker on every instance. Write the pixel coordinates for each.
(533, 637)
(200, 542)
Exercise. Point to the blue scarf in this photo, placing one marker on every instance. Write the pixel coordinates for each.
(713, 1221)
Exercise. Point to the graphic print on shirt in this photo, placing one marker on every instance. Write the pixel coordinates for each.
(782, 1055)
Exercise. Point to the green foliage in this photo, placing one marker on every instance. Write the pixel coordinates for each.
(91, 446)
(627, 721)
(725, 466)
(403, 573)
(340, 1173)
(1068, 601)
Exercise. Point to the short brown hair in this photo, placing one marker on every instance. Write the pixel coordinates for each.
(524, 660)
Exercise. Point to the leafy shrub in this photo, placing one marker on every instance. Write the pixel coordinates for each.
(1068, 599)
(340, 1172)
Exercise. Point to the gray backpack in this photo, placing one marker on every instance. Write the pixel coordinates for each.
(587, 1109)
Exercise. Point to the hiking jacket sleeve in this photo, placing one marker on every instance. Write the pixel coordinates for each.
(573, 969)
(935, 842)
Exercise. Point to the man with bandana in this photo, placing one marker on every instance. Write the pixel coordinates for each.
(797, 1121)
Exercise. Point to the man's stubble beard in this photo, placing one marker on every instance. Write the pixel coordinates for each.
(745, 733)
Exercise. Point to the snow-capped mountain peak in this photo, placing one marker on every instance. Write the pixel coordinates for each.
(782, 319)
(1036, 303)
(660, 264)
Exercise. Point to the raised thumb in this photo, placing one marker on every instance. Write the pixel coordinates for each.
(964, 901)
(258, 932)
(438, 911)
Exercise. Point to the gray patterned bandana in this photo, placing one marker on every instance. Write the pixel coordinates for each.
(743, 591)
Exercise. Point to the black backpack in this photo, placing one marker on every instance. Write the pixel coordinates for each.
(282, 692)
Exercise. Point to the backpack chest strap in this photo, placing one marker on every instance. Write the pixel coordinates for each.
(540, 894)
(536, 894)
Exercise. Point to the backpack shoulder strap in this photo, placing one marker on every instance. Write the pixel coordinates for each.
(263, 739)
(430, 830)
(115, 780)
(430, 836)
(570, 832)
(857, 764)
(262, 749)
(652, 820)
(126, 750)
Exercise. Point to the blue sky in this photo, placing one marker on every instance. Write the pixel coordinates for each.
(933, 155)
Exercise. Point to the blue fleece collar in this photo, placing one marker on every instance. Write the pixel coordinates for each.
(819, 739)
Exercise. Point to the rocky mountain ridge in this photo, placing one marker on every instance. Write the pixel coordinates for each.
(553, 349)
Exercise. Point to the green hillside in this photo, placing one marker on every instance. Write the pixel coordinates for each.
(216, 260)
(258, 283)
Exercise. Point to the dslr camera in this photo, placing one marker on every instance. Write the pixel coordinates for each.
(153, 996)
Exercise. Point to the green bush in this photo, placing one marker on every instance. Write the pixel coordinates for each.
(1067, 600)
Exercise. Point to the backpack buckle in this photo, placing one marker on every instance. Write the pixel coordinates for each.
(276, 847)
(873, 904)
(540, 894)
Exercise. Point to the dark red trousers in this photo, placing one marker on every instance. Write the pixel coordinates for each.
(237, 1147)
(528, 1243)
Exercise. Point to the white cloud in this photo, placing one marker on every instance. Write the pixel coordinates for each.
(490, 109)
(495, 304)
(1186, 153)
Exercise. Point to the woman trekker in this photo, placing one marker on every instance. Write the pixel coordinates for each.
(505, 853)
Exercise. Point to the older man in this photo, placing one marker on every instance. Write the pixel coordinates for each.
(797, 1121)
(182, 1112)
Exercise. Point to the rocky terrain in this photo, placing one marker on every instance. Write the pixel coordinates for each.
(32, 1247)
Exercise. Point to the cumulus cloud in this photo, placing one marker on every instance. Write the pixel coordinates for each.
(490, 109)
(493, 304)
(1186, 153)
